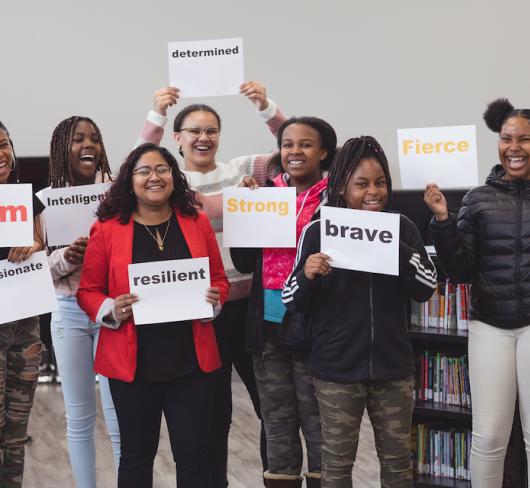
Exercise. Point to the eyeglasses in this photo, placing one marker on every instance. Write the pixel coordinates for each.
(197, 131)
(146, 172)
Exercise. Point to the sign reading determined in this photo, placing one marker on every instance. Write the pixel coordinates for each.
(206, 68)
(170, 291)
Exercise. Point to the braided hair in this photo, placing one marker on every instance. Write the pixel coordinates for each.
(60, 173)
(500, 110)
(346, 162)
(14, 175)
(120, 200)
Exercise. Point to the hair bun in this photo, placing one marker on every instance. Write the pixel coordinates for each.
(496, 113)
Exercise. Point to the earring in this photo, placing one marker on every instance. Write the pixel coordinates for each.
(13, 162)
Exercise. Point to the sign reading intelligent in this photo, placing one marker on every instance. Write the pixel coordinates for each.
(446, 156)
(71, 211)
(206, 68)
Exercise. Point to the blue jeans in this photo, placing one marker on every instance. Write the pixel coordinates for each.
(75, 340)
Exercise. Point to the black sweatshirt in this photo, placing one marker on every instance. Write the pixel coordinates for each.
(359, 320)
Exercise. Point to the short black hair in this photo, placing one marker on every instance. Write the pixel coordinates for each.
(328, 140)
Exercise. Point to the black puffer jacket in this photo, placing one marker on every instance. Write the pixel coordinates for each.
(489, 246)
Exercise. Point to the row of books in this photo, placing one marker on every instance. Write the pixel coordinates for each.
(441, 452)
(443, 378)
(448, 308)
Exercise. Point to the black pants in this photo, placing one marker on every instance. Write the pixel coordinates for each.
(188, 406)
(230, 333)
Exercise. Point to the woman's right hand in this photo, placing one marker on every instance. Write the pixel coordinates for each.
(164, 98)
(317, 264)
(123, 306)
(435, 200)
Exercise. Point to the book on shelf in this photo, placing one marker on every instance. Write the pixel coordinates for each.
(447, 309)
(442, 378)
(441, 452)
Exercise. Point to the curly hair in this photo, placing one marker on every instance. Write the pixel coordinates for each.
(14, 175)
(328, 141)
(60, 174)
(346, 161)
(120, 200)
(499, 111)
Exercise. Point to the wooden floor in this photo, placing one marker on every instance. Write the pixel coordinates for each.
(47, 462)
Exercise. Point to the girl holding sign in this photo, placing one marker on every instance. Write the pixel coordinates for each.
(361, 354)
(197, 130)
(78, 157)
(151, 214)
(488, 245)
(20, 348)
(307, 147)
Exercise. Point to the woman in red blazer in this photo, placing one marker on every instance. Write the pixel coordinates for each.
(150, 214)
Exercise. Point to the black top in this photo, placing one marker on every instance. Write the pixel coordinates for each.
(488, 245)
(165, 351)
(359, 320)
(38, 207)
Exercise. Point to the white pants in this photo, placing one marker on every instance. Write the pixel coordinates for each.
(499, 370)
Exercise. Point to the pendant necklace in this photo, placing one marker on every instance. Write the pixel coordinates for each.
(158, 238)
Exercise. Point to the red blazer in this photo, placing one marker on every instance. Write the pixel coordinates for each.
(104, 275)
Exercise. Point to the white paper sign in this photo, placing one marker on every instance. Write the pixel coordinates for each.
(170, 291)
(71, 211)
(206, 68)
(26, 288)
(361, 240)
(265, 217)
(16, 215)
(446, 156)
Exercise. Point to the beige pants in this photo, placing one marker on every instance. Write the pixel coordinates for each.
(499, 371)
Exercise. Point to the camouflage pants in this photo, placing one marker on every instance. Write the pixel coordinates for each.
(389, 405)
(288, 403)
(20, 349)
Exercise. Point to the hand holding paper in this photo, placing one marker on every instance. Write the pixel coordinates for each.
(317, 264)
(256, 93)
(164, 98)
(436, 201)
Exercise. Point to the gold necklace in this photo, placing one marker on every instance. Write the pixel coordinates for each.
(158, 238)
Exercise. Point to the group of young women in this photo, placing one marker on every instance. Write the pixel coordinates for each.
(314, 345)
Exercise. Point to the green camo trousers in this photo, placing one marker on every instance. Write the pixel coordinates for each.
(389, 405)
(20, 349)
(288, 404)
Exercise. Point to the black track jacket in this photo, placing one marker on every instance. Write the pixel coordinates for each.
(359, 320)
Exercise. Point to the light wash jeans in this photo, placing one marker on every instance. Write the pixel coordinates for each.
(75, 340)
(499, 373)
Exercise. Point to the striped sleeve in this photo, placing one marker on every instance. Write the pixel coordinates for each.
(153, 129)
(417, 271)
(298, 291)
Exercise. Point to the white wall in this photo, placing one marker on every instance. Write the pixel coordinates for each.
(368, 67)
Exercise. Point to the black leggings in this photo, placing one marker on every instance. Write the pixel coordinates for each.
(230, 333)
(188, 406)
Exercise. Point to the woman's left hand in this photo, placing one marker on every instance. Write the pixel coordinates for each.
(213, 295)
(256, 93)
